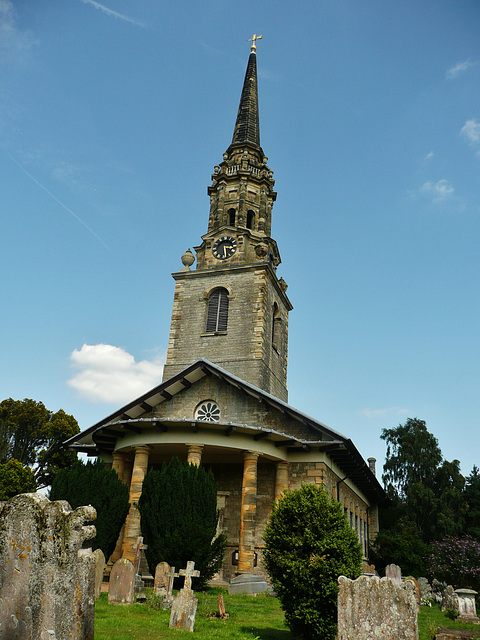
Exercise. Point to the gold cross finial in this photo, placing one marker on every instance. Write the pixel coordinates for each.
(253, 39)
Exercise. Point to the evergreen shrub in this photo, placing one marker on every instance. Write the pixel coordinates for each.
(178, 509)
(15, 478)
(92, 483)
(309, 544)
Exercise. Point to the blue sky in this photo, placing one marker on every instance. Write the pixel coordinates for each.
(112, 117)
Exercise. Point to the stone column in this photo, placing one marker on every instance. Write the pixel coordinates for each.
(194, 453)
(248, 509)
(132, 523)
(119, 464)
(281, 479)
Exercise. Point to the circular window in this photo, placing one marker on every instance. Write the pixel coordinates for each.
(208, 411)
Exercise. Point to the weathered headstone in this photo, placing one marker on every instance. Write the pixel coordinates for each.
(450, 600)
(466, 604)
(425, 590)
(122, 582)
(394, 572)
(162, 578)
(372, 607)
(247, 583)
(46, 578)
(99, 557)
(184, 606)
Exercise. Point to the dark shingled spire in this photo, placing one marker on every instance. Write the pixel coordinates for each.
(247, 127)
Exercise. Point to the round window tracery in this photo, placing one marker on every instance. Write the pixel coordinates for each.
(208, 411)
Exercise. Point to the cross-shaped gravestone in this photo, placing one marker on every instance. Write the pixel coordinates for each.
(189, 573)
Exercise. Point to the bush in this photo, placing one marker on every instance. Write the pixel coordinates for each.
(309, 543)
(15, 478)
(178, 509)
(456, 561)
(92, 483)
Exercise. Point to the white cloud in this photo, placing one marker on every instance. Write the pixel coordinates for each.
(459, 68)
(115, 14)
(471, 131)
(110, 374)
(391, 411)
(429, 155)
(15, 44)
(439, 191)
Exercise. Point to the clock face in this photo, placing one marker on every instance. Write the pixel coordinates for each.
(224, 247)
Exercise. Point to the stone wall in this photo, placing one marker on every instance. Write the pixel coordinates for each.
(245, 349)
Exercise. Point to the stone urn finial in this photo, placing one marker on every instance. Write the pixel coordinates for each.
(187, 260)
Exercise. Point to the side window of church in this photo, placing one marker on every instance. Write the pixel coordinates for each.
(217, 311)
(276, 328)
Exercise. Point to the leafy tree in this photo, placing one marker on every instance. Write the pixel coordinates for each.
(472, 497)
(309, 543)
(426, 499)
(33, 435)
(92, 483)
(15, 479)
(179, 517)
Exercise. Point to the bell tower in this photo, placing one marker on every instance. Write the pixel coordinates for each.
(232, 309)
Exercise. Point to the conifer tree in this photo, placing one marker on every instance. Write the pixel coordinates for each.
(179, 517)
(92, 483)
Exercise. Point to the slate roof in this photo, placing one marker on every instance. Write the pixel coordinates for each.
(247, 126)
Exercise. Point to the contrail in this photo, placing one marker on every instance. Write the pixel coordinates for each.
(72, 213)
(110, 12)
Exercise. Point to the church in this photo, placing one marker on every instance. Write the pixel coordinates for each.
(223, 401)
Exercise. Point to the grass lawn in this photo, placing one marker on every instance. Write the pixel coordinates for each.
(258, 617)
(253, 618)
(430, 618)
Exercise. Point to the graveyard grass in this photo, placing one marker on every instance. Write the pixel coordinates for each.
(255, 618)
(252, 618)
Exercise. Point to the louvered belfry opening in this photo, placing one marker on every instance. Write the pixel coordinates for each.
(217, 312)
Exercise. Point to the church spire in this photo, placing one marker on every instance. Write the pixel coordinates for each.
(247, 127)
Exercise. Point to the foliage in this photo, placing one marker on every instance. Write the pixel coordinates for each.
(15, 479)
(33, 435)
(178, 509)
(92, 483)
(308, 545)
(426, 498)
(472, 497)
(455, 560)
(402, 545)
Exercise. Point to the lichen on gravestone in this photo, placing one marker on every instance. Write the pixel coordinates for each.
(46, 578)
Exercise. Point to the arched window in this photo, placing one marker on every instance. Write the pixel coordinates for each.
(231, 217)
(217, 310)
(250, 219)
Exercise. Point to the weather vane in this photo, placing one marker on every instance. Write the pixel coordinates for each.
(252, 40)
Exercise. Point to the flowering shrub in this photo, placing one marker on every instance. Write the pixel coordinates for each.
(455, 560)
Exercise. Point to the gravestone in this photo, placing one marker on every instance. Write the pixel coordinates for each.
(46, 578)
(99, 557)
(247, 583)
(466, 604)
(425, 590)
(449, 600)
(394, 572)
(372, 607)
(162, 579)
(122, 582)
(184, 606)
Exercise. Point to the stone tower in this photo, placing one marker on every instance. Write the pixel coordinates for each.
(232, 309)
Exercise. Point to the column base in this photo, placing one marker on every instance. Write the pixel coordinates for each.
(247, 583)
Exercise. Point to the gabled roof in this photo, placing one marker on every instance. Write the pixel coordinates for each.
(103, 434)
